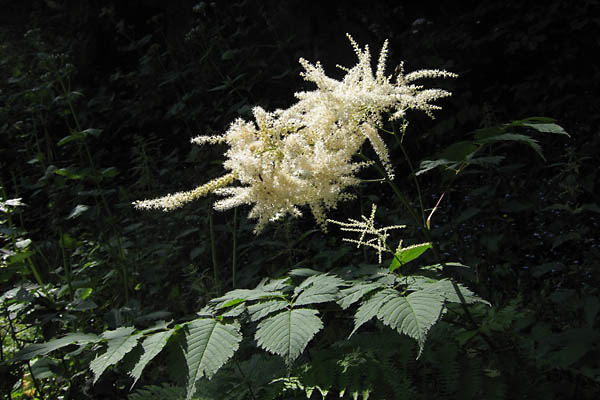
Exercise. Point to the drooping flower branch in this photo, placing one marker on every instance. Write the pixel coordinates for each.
(303, 156)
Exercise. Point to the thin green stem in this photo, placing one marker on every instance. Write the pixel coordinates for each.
(123, 265)
(234, 248)
(66, 265)
(213, 249)
(400, 141)
(395, 188)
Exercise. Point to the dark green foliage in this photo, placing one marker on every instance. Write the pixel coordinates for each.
(97, 105)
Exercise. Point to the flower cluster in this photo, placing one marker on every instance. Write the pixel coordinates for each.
(367, 227)
(302, 156)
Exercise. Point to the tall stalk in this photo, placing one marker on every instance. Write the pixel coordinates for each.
(213, 249)
(234, 247)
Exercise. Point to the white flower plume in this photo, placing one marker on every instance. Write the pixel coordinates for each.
(302, 156)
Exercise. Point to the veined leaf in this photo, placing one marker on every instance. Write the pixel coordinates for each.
(237, 296)
(152, 345)
(303, 272)
(118, 333)
(287, 333)
(370, 307)
(354, 293)
(209, 345)
(547, 128)
(273, 285)
(317, 294)
(412, 315)
(40, 349)
(321, 280)
(447, 290)
(260, 310)
(120, 342)
(428, 165)
(160, 325)
(516, 137)
(541, 124)
(407, 254)
(318, 289)
(235, 311)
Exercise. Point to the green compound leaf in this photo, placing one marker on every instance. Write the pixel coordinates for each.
(370, 307)
(209, 345)
(152, 345)
(547, 128)
(514, 137)
(356, 292)
(287, 333)
(541, 124)
(120, 342)
(40, 349)
(318, 289)
(407, 254)
(237, 296)
(260, 310)
(447, 289)
(413, 315)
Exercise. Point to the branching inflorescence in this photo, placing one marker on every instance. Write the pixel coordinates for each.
(303, 155)
(367, 227)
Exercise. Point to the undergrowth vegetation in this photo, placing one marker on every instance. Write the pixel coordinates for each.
(445, 258)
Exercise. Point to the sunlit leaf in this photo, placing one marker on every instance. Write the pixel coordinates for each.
(287, 333)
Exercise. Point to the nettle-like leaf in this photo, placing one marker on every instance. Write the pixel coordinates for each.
(318, 289)
(152, 345)
(237, 296)
(287, 333)
(260, 310)
(412, 315)
(356, 292)
(541, 124)
(512, 137)
(40, 349)
(458, 155)
(209, 345)
(448, 290)
(369, 308)
(119, 342)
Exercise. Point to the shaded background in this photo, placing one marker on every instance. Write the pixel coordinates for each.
(145, 76)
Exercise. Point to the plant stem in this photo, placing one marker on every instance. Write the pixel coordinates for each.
(213, 249)
(396, 190)
(234, 249)
(412, 169)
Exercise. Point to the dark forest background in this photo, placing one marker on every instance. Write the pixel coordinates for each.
(99, 101)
